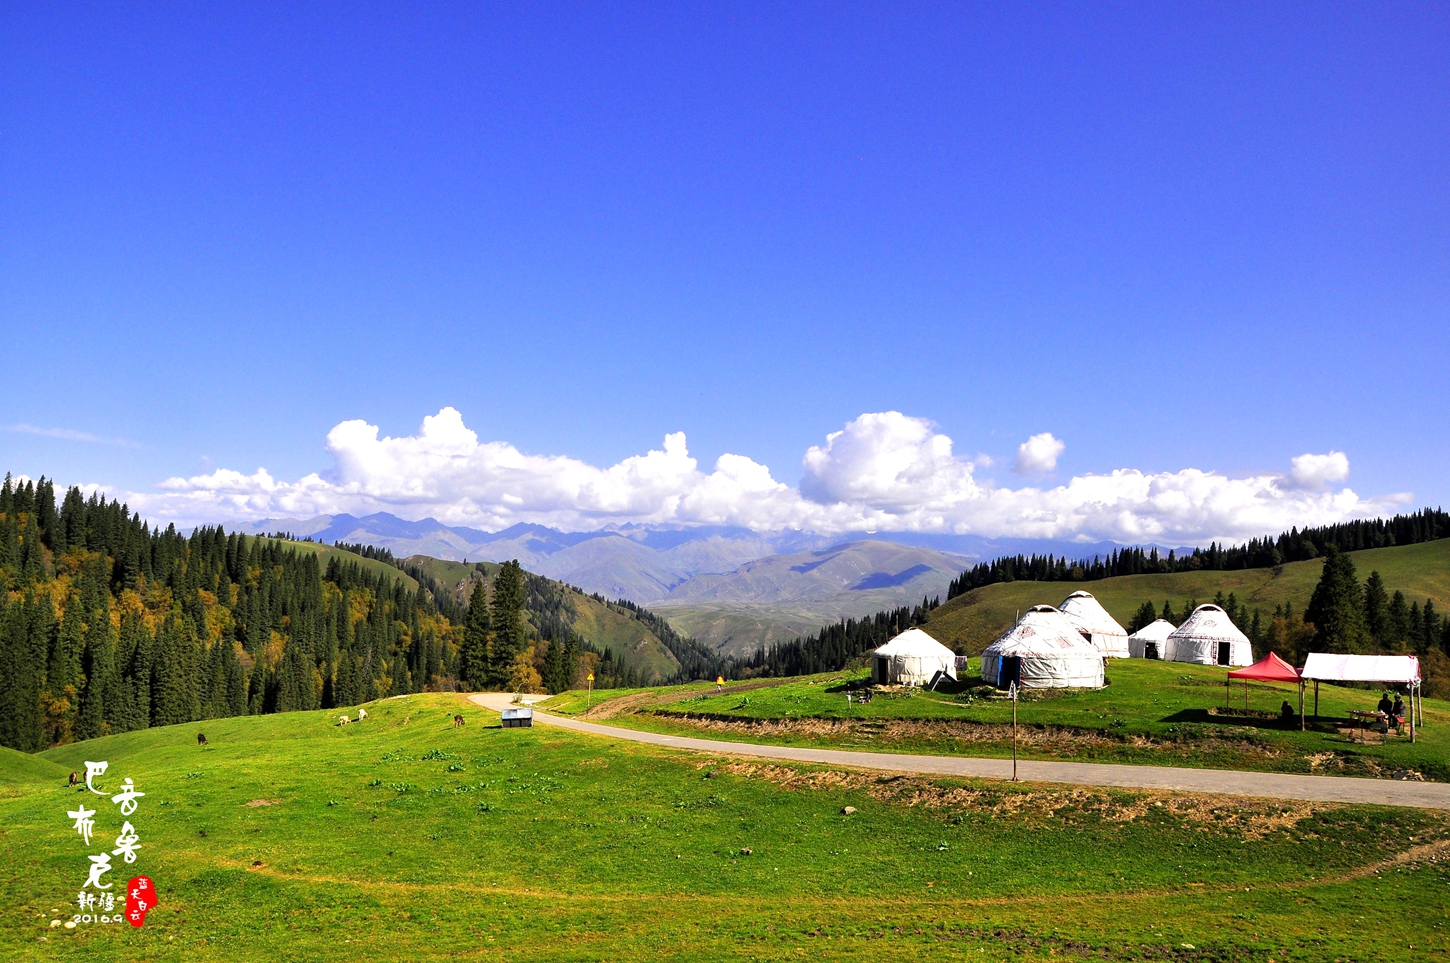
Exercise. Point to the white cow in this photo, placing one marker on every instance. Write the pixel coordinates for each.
(361, 713)
(343, 720)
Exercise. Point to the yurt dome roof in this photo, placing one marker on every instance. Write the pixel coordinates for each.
(1156, 631)
(914, 641)
(1088, 614)
(1209, 623)
(1042, 630)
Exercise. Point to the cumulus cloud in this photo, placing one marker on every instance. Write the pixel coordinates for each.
(884, 471)
(1319, 471)
(1037, 455)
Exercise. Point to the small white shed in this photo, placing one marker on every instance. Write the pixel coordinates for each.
(912, 658)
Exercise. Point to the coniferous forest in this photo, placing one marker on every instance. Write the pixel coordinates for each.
(109, 625)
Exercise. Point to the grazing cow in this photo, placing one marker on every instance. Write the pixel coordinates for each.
(457, 721)
(361, 713)
(343, 720)
(201, 739)
(75, 779)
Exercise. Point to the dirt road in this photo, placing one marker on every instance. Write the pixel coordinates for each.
(1266, 785)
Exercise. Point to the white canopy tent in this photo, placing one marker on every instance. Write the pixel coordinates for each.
(1333, 667)
(912, 658)
(1097, 626)
(1151, 641)
(1209, 637)
(1043, 651)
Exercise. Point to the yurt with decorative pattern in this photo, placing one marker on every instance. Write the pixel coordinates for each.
(1096, 625)
(1209, 637)
(1043, 651)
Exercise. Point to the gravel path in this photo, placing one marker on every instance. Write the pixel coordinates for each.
(1268, 785)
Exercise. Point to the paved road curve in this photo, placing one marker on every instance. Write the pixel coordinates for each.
(1269, 785)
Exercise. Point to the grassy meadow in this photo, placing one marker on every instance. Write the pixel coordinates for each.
(1155, 713)
(970, 622)
(404, 838)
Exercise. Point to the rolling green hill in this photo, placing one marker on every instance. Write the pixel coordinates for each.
(602, 624)
(407, 838)
(18, 768)
(326, 553)
(970, 622)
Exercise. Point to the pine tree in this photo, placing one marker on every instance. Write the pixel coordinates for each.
(1376, 608)
(508, 623)
(474, 661)
(1397, 623)
(174, 691)
(1337, 606)
(100, 675)
(1144, 617)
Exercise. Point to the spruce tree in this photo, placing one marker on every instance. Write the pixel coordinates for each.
(1397, 623)
(507, 617)
(1337, 606)
(474, 660)
(1144, 617)
(1376, 608)
(100, 675)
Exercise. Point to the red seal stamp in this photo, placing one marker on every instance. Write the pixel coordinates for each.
(140, 897)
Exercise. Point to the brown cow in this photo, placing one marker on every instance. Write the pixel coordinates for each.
(457, 721)
(75, 779)
(201, 739)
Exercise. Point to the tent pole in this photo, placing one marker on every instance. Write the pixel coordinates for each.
(1412, 713)
(1316, 700)
(1301, 705)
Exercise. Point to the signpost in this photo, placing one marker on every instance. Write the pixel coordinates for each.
(589, 695)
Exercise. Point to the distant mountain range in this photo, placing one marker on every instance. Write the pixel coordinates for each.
(731, 587)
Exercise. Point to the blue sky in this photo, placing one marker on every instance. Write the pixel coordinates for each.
(1174, 237)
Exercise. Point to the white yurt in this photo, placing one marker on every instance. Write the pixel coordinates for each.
(1096, 625)
(1209, 637)
(912, 658)
(1046, 651)
(1151, 641)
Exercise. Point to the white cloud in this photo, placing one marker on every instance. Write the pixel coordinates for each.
(1038, 454)
(883, 471)
(69, 434)
(1319, 471)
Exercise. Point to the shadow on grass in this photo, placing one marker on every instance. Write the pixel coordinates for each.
(1263, 720)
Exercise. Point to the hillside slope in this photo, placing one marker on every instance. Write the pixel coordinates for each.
(602, 624)
(782, 596)
(325, 553)
(970, 622)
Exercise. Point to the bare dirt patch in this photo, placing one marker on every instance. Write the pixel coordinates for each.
(253, 804)
(1249, 819)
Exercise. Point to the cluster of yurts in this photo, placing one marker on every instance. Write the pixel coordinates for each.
(1066, 647)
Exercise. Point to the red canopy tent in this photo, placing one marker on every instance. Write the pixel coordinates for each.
(1270, 668)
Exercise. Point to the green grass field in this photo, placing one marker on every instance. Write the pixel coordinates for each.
(1152, 713)
(404, 838)
(970, 622)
